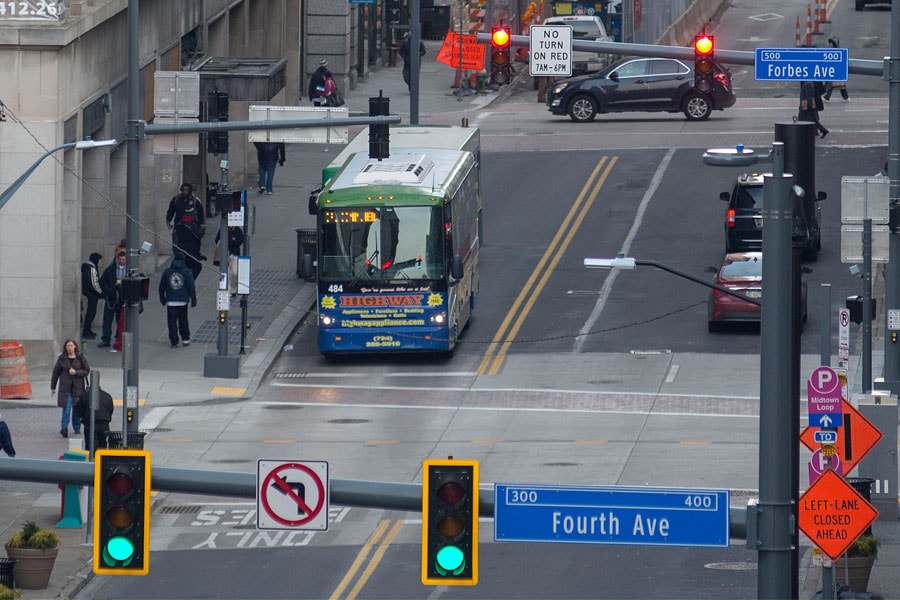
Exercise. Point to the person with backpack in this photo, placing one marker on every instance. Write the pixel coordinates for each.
(833, 42)
(185, 208)
(90, 289)
(316, 89)
(810, 105)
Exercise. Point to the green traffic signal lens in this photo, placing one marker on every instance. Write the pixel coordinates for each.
(120, 548)
(450, 560)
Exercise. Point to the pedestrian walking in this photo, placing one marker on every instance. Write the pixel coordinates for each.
(810, 104)
(316, 88)
(114, 303)
(90, 289)
(267, 155)
(407, 58)
(833, 42)
(185, 208)
(102, 416)
(6, 439)
(67, 384)
(235, 241)
(176, 289)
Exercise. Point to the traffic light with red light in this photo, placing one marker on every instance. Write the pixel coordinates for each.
(501, 66)
(450, 522)
(122, 512)
(704, 61)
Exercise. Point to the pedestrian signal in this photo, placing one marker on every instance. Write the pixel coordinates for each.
(122, 512)
(450, 522)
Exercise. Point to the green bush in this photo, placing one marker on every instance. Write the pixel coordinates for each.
(8, 594)
(865, 545)
(33, 537)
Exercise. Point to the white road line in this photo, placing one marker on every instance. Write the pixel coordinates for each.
(626, 246)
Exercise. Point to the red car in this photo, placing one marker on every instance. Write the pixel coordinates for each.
(741, 272)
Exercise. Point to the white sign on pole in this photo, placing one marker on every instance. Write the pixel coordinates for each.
(551, 50)
(337, 134)
(843, 337)
(864, 198)
(852, 243)
(292, 495)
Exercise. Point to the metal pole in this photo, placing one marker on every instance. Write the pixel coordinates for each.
(867, 308)
(892, 272)
(94, 399)
(415, 27)
(775, 432)
(132, 214)
(222, 345)
(245, 252)
(459, 69)
(825, 319)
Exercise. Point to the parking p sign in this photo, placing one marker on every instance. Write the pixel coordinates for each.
(823, 391)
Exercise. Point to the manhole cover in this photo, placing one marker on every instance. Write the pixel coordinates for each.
(732, 566)
(348, 421)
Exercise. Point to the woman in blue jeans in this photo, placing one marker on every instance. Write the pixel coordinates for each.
(67, 383)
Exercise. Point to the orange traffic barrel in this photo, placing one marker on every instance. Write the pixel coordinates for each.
(14, 382)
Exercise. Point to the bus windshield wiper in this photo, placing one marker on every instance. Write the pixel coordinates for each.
(368, 266)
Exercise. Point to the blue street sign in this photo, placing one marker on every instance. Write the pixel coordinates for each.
(825, 437)
(611, 515)
(802, 64)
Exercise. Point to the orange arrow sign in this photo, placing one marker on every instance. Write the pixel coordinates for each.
(833, 514)
(854, 439)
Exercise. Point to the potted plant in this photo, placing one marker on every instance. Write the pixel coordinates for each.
(858, 560)
(34, 550)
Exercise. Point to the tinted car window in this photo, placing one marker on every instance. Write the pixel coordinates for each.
(667, 67)
(635, 68)
(742, 268)
(749, 198)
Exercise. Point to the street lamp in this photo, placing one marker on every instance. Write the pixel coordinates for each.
(82, 145)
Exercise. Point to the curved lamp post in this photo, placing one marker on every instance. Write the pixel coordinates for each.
(82, 145)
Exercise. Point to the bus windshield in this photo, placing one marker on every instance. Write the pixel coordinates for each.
(376, 243)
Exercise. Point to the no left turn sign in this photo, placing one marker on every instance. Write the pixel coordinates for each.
(292, 495)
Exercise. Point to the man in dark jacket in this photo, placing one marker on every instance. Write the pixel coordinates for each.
(316, 89)
(176, 289)
(185, 208)
(111, 285)
(90, 289)
(407, 58)
(102, 416)
(267, 154)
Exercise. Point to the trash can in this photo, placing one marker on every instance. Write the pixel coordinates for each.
(306, 244)
(6, 572)
(135, 440)
(863, 485)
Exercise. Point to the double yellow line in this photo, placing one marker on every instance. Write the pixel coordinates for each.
(496, 352)
(382, 537)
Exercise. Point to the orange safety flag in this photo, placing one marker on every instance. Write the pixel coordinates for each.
(472, 51)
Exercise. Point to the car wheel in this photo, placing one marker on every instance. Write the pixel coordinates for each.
(582, 108)
(697, 107)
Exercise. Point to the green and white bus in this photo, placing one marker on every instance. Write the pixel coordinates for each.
(398, 242)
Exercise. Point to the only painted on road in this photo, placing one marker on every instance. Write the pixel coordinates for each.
(611, 515)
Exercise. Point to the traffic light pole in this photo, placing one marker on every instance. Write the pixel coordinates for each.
(892, 273)
(415, 29)
(132, 230)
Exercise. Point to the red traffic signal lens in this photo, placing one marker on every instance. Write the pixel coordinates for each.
(451, 492)
(500, 37)
(703, 44)
(120, 483)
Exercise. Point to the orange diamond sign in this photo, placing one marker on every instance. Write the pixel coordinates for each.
(854, 439)
(833, 514)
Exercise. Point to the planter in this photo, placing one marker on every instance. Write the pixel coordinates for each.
(33, 567)
(860, 567)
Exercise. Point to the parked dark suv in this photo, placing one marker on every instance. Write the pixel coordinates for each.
(744, 220)
(640, 85)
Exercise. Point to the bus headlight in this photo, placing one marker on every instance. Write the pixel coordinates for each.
(439, 318)
(327, 320)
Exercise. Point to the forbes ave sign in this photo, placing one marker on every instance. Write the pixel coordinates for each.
(801, 64)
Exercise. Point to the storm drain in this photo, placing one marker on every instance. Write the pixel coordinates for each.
(208, 332)
(267, 286)
(181, 510)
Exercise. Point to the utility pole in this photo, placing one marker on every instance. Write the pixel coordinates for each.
(892, 273)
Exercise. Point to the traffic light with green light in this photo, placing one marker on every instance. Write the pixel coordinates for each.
(704, 61)
(450, 522)
(122, 512)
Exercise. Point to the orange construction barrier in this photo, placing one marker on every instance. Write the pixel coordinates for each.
(14, 382)
(798, 32)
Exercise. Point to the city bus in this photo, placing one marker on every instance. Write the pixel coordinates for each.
(397, 242)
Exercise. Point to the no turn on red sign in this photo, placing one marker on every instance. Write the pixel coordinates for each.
(292, 495)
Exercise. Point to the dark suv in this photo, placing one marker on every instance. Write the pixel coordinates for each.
(744, 220)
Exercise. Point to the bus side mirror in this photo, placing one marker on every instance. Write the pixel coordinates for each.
(306, 267)
(456, 267)
(314, 201)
